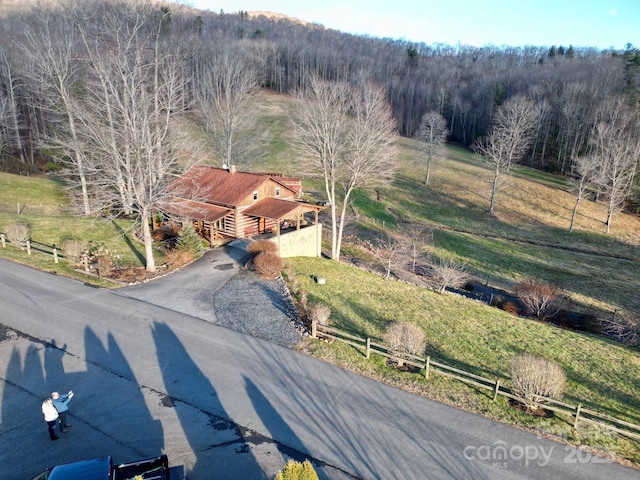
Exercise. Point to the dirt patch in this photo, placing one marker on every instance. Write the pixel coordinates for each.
(535, 411)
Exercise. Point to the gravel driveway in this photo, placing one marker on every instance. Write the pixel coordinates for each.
(219, 289)
(258, 307)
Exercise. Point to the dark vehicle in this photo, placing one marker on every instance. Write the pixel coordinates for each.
(156, 468)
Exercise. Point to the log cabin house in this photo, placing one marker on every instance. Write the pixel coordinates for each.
(224, 204)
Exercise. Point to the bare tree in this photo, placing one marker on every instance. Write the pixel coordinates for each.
(540, 298)
(12, 113)
(320, 123)
(448, 273)
(510, 138)
(586, 173)
(134, 97)
(370, 157)
(433, 134)
(50, 63)
(4, 118)
(414, 239)
(615, 142)
(390, 252)
(347, 133)
(228, 82)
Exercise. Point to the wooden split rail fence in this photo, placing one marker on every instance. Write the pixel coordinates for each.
(31, 246)
(427, 365)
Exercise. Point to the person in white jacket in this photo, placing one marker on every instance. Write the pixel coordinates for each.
(51, 417)
(60, 402)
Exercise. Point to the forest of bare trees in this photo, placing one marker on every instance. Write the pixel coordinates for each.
(98, 87)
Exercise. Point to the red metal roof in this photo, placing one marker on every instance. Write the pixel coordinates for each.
(193, 209)
(217, 185)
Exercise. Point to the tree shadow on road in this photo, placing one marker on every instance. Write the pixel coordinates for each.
(211, 431)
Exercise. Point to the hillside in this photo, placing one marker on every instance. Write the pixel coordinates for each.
(527, 237)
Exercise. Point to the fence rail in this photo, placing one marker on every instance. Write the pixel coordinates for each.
(577, 412)
(30, 246)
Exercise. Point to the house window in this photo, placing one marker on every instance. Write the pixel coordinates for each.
(255, 195)
(277, 191)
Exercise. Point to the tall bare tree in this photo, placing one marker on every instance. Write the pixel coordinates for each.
(319, 124)
(134, 97)
(433, 133)
(4, 118)
(615, 142)
(15, 123)
(228, 82)
(511, 136)
(371, 154)
(587, 171)
(50, 63)
(347, 134)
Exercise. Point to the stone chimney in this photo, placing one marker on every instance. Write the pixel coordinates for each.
(232, 169)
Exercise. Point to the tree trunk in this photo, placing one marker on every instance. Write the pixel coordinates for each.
(150, 261)
(494, 189)
(573, 214)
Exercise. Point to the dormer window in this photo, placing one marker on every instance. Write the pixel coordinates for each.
(277, 191)
(255, 196)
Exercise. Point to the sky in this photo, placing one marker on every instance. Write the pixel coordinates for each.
(601, 24)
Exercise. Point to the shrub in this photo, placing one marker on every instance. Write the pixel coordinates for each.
(189, 241)
(268, 264)
(447, 273)
(302, 299)
(104, 258)
(405, 338)
(535, 377)
(297, 471)
(73, 250)
(18, 233)
(259, 246)
(320, 313)
(625, 329)
(177, 258)
(538, 297)
(511, 307)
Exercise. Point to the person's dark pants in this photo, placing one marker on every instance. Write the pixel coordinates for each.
(52, 429)
(62, 418)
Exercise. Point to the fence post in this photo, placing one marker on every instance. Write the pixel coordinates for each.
(4, 240)
(575, 423)
(368, 348)
(496, 390)
(314, 329)
(426, 367)
(85, 261)
(28, 247)
(55, 255)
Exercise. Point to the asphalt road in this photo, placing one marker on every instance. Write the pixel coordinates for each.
(223, 405)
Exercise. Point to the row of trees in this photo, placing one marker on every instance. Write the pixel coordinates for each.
(607, 167)
(101, 88)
